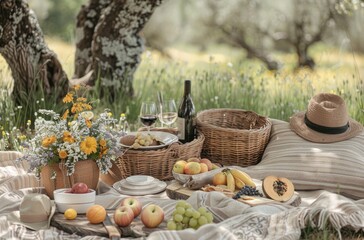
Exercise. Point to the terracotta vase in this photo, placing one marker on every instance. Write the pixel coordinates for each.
(86, 171)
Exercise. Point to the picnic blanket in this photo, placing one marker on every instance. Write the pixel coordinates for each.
(233, 219)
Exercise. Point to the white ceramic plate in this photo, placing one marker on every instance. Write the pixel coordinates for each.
(127, 186)
(140, 180)
(165, 138)
(123, 188)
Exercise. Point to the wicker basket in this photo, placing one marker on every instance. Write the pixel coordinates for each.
(158, 163)
(233, 136)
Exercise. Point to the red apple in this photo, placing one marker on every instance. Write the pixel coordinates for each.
(134, 204)
(123, 216)
(152, 215)
(79, 188)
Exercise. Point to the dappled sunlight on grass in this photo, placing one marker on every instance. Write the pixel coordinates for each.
(234, 81)
(222, 77)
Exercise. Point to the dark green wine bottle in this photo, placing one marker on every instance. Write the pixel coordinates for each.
(186, 116)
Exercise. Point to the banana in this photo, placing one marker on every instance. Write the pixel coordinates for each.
(230, 181)
(238, 183)
(243, 177)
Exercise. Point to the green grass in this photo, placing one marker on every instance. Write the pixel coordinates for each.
(221, 78)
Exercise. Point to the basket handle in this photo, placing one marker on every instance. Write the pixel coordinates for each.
(173, 149)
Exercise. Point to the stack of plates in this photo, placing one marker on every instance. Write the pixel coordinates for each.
(139, 185)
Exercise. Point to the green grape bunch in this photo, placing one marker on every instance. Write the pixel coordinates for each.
(185, 216)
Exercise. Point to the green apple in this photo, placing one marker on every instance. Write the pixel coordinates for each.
(179, 166)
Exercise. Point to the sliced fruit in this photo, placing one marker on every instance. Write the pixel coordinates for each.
(278, 188)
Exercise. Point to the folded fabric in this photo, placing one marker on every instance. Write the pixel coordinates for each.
(337, 167)
(14, 175)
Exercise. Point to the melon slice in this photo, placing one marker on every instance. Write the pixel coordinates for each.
(278, 188)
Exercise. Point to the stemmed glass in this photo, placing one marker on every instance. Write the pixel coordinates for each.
(167, 112)
(148, 114)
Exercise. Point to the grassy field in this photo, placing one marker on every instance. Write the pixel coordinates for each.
(221, 78)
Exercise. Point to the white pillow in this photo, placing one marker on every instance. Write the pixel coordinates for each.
(336, 167)
(14, 175)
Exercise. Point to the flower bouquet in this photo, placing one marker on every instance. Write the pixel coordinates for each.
(71, 138)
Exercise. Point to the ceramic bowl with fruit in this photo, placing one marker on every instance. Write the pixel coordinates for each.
(79, 197)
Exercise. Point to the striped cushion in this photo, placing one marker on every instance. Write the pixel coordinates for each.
(336, 167)
(14, 176)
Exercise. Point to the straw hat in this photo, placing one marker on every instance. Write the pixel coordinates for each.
(326, 120)
(35, 212)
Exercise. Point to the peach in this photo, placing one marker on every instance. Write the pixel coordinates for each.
(193, 159)
(204, 167)
(219, 179)
(192, 168)
(207, 162)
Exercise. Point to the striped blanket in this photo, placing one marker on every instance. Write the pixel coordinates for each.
(233, 219)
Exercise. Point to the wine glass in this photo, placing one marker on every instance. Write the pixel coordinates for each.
(148, 114)
(167, 112)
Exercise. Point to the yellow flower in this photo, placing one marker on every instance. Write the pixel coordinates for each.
(76, 107)
(68, 98)
(65, 114)
(86, 106)
(48, 141)
(77, 87)
(102, 142)
(81, 99)
(67, 137)
(22, 137)
(62, 154)
(89, 145)
(88, 123)
(103, 151)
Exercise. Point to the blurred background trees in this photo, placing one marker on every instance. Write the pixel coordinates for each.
(260, 27)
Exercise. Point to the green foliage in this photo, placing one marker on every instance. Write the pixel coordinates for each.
(61, 18)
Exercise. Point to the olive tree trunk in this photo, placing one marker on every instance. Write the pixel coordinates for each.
(33, 65)
(108, 42)
(108, 47)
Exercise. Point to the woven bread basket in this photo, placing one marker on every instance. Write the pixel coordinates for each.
(233, 136)
(157, 163)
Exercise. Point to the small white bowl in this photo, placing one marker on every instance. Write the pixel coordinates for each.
(139, 180)
(80, 208)
(61, 196)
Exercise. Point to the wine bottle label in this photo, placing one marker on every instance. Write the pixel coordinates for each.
(181, 128)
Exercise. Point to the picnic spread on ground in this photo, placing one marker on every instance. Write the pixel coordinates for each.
(243, 176)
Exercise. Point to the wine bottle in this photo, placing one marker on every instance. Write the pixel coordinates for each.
(186, 116)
